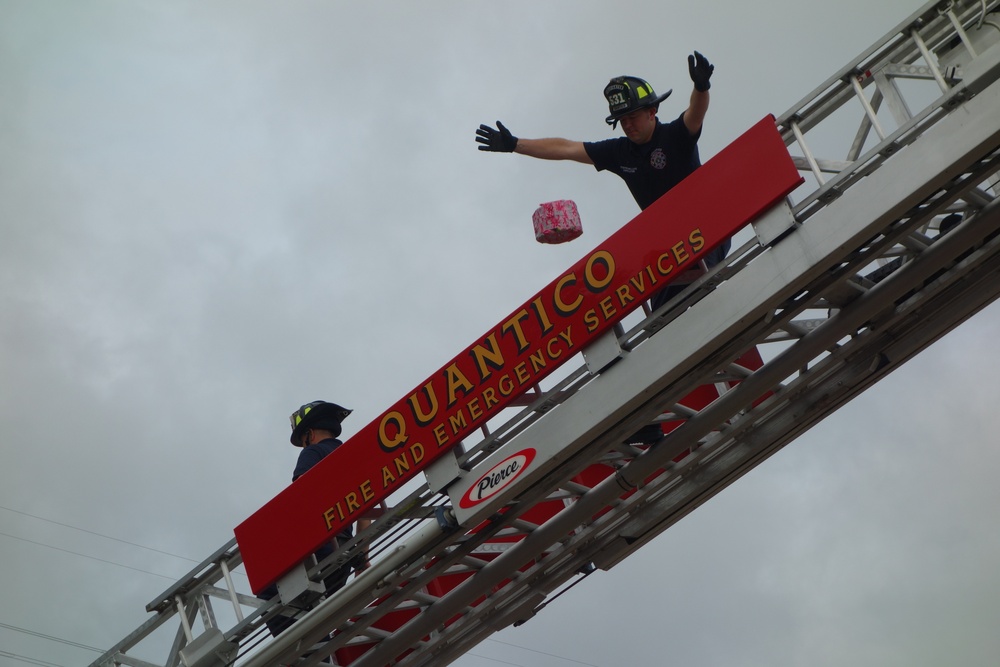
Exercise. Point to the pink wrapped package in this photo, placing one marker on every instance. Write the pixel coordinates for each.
(557, 222)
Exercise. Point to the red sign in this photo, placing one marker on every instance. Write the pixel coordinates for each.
(729, 191)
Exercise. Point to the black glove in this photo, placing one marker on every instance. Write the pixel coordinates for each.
(701, 71)
(498, 141)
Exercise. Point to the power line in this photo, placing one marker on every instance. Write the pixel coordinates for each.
(51, 638)
(107, 537)
(551, 655)
(503, 662)
(101, 560)
(91, 532)
(167, 553)
(30, 661)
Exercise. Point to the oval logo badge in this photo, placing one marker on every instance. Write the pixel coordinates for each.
(497, 478)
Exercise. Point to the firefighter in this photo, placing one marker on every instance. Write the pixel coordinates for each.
(315, 428)
(651, 158)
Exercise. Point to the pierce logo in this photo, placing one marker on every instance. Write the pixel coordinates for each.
(497, 478)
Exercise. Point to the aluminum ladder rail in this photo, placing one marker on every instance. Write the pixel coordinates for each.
(841, 325)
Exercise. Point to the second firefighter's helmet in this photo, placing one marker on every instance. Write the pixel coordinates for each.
(318, 414)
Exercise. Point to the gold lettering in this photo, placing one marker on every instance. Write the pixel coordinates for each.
(543, 317)
(522, 373)
(457, 422)
(424, 418)
(696, 240)
(366, 490)
(475, 411)
(440, 435)
(601, 258)
(487, 358)
(328, 516)
(680, 253)
(625, 295)
(351, 499)
(402, 464)
(659, 264)
(537, 360)
(607, 308)
(590, 319)
(391, 442)
(456, 380)
(566, 336)
(566, 309)
(548, 348)
(514, 324)
(490, 395)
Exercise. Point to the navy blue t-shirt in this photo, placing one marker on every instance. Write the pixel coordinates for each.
(313, 454)
(653, 168)
(310, 456)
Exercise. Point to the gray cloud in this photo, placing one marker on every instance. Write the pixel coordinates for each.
(212, 214)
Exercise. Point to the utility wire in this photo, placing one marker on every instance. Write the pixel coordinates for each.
(167, 553)
(90, 532)
(107, 537)
(551, 655)
(503, 662)
(101, 560)
(30, 661)
(51, 638)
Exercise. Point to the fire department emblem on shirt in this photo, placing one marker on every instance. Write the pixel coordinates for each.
(657, 159)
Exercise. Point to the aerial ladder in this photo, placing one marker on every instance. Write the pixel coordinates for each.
(892, 241)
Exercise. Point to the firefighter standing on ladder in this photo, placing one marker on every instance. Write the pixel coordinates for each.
(651, 158)
(315, 427)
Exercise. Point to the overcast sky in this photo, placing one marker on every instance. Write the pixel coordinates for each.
(212, 212)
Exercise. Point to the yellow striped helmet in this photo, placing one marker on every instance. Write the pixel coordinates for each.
(626, 94)
(318, 414)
